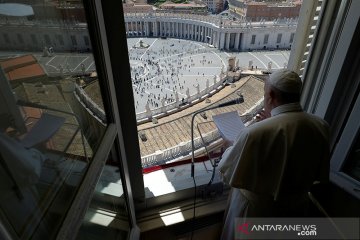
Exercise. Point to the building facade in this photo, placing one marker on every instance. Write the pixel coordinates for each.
(261, 10)
(222, 33)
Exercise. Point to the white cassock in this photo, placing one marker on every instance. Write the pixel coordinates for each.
(273, 164)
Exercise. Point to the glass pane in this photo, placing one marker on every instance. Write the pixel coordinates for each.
(107, 216)
(352, 164)
(51, 113)
(183, 61)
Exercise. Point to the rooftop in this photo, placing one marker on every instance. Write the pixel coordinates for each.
(175, 128)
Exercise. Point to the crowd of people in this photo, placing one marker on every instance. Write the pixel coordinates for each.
(162, 75)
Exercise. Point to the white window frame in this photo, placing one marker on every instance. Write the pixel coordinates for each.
(341, 153)
(323, 99)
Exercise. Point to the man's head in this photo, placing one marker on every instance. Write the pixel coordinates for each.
(282, 87)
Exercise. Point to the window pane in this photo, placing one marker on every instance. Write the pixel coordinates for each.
(352, 164)
(107, 216)
(51, 115)
(266, 38)
(253, 39)
(183, 61)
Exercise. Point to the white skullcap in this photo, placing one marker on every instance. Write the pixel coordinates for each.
(286, 81)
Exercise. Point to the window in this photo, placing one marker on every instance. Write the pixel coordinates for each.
(326, 82)
(73, 40)
(86, 40)
(279, 36)
(20, 38)
(47, 39)
(34, 39)
(6, 38)
(60, 39)
(352, 164)
(253, 37)
(292, 37)
(55, 141)
(114, 126)
(266, 38)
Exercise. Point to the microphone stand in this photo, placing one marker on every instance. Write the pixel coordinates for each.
(239, 100)
(232, 102)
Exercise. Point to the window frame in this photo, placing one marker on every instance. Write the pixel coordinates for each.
(266, 38)
(116, 66)
(253, 39)
(333, 72)
(114, 138)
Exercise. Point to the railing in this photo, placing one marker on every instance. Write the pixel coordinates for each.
(90, 104)
(174, 105)
(183, 149)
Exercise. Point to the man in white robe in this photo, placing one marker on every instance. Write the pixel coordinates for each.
(274, 162)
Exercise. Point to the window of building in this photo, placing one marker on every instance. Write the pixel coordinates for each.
(6, 38)
(326, 82)
(266, 38)
(107, 129)
(253, 37)
(60, 39)
(20, 38)
(278, 39)
(34, 39)
(86, 40)
(56, 131)
(47, 39)
(352, 164)
(292, 37)
(73, 40)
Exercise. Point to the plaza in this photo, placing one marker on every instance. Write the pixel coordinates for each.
(169, 70)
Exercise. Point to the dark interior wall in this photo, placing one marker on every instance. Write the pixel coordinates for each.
(336, 202)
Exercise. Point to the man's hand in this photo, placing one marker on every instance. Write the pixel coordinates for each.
(262, 115)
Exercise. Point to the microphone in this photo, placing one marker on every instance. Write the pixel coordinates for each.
(225, 104)
(231, 102)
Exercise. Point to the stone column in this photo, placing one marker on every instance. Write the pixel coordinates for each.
(202, 33)
(187, 30)
(177, 29)
(215, 37)
(222, 40)
(227, 47)
(237, 41)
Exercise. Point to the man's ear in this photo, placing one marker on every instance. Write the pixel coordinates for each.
(272, 94)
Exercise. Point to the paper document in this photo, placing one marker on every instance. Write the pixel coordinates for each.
(229, 125)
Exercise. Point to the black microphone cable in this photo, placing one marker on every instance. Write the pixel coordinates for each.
(194, 210)
(229, 103)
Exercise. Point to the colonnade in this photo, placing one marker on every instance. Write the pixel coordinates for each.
(191, 30)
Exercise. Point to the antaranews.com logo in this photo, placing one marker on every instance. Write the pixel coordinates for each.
(297, 228)
(301, 230)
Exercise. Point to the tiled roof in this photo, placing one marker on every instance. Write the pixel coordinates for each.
(17, 62)
(26, 72)
(22, 68)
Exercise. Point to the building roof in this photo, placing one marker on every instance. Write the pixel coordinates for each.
(50, 96)
(17, 62)
(27, 72)
(22, 68)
